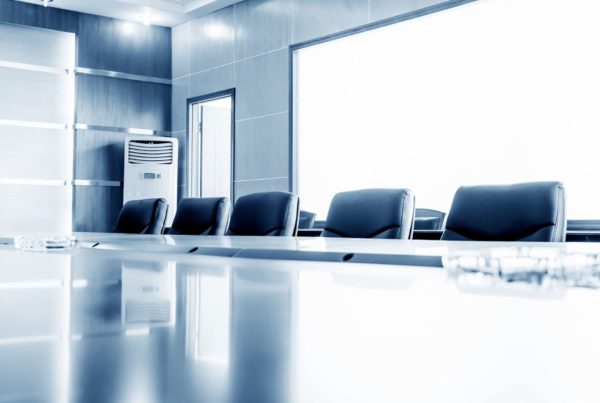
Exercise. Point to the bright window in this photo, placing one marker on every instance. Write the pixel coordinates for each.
(495, 91)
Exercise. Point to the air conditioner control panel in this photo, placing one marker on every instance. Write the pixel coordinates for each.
(150, 176)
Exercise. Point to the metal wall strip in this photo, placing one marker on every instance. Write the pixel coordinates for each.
(127, 130)
(83, 126)
(126, 76)
(90, 182)
(37, 125)
(34, 67)
(34, 182)
(59, 182)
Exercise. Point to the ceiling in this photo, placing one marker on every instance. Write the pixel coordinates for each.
(158, 12)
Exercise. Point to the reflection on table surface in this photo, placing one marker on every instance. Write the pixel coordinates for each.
(110, 326)
(180, 243)
(184, 243)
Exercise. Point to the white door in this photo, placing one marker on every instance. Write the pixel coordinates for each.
(210, 148)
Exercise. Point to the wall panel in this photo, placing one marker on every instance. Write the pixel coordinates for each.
(99, 155)
(51, 50)
(181, 50)
(210, 81)
(179, 95)
(32, 96)
(125, 47)
(212, 40)
(261, 85)
(315, 18)
(256, 138)
(35, 209)
(262, 26)
(123, 103)
(32, 153)
(97, 207)
(36, 16)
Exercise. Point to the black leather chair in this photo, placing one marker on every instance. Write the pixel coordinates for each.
(265, 214)
(522, 212)
(142, 217)
(428, 219)
(201, 216)
(307, 220)
(371, 213)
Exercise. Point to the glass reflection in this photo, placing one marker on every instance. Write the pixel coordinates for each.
(90, 327)
(263, 324)
(148, 296)
(35, 304)
(207, 309)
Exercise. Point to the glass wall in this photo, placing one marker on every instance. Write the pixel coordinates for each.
(495, 91)
(36, 129)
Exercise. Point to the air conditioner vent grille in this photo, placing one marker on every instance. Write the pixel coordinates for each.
(139, 311)
(150, 152)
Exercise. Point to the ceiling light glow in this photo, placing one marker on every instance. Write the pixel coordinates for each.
(145, 19)
(217, 31)
(127, 28)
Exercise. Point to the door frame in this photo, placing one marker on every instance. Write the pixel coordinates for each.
(188, 152)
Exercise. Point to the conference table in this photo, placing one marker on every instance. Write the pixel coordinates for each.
(130, 318)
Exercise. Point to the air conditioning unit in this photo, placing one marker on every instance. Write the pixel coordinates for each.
(151, 170)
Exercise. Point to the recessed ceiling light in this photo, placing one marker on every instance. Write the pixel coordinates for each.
(145, 19)
(128, 28)
(46, 2)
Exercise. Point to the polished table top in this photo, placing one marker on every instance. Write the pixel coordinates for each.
(181, 243)
(97, 325)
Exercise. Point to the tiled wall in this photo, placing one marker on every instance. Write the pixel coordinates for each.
(113, 45)
(246, 46)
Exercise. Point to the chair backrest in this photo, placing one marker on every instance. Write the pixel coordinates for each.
(522, 212)
(142, 217)
(371, 213)
(201, 216)
(265, 214)
(428, 219)
(306, 220)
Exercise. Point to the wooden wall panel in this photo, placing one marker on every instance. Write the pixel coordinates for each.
(96, 207)
(36, 16)
(125, 47)
(99, 155)
(123, 103)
